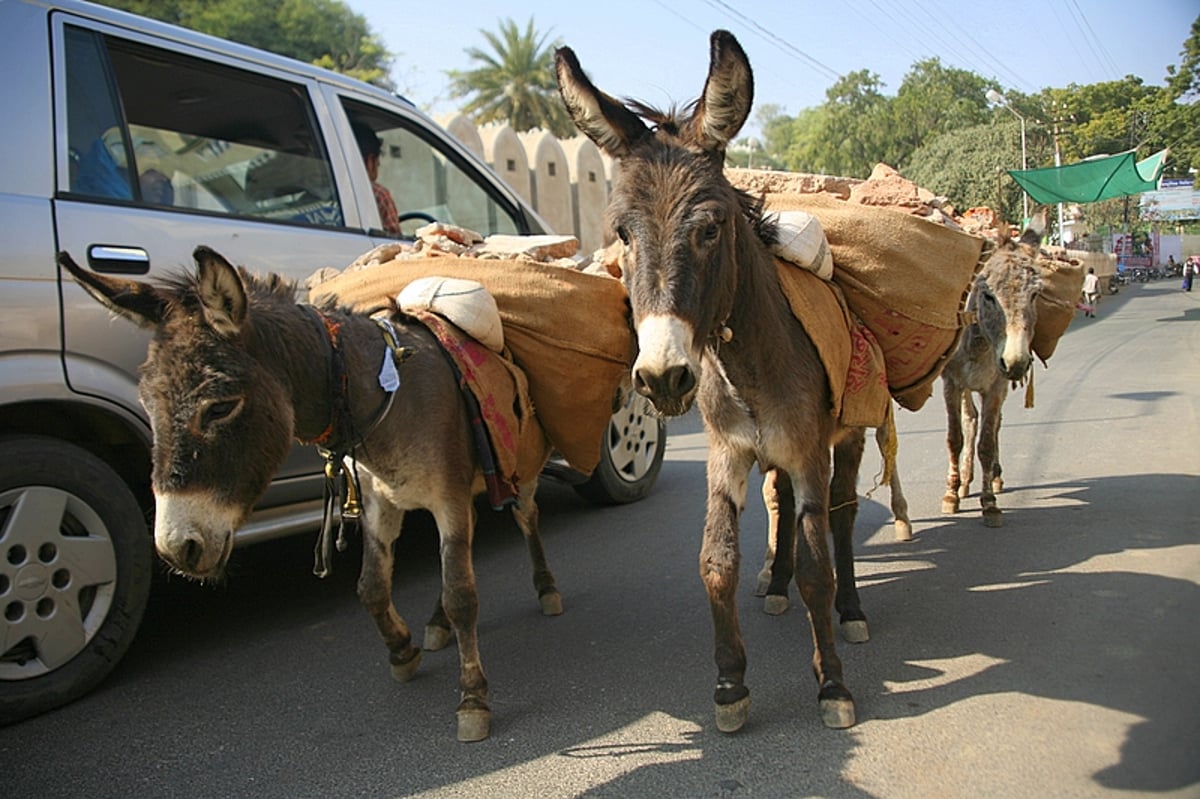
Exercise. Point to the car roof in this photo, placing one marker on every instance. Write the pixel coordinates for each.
(216, 45)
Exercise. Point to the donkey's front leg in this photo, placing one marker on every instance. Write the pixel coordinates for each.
(954, 443)
(456, 528)
(814, 577)
(776, 574)
(719, 563)
(381, 527)
(970, 437)
(989, 434)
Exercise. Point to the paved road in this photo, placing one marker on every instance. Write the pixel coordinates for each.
(1056, 656)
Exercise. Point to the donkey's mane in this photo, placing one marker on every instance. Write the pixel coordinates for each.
(672, 122)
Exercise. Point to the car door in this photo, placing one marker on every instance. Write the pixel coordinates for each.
(161, 149)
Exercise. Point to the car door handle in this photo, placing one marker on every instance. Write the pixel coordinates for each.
(116, 259)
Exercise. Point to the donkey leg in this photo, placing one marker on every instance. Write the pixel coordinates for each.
(776, 573)
(527, 517)
(381, 527)
(989, 433)
(954, 443)
(970, 436)
(997, 480)
(900, 520)
(814, 577)
(456, 527)
(437, 629)
(719, 563)
(843, 503)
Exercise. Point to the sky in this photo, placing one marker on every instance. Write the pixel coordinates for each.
(657, 50)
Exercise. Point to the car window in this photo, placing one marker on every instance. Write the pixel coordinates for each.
(164, 129)
(424, 181)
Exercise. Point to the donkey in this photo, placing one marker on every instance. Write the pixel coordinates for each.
(713, 327)
(993, 353)
(237, 369)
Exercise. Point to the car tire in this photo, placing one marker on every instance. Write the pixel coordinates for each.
(76, 564)
(631, 455)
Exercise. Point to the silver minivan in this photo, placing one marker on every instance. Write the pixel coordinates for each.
(127, 142)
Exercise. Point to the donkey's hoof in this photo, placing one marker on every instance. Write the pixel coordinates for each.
(904, 529)
(436, 637)
(837, 714)
(551, 602)
(403, 672)
(992, 517)
(950, 503)
(775, 605)
(731, 717)
(856, 631)
(474, 725)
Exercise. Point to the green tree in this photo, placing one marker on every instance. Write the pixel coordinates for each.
(970, 167)
(932, 100)
(514, 83)
(322, 32)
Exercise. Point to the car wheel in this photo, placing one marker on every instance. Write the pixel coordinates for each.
(76, 565)
(631, 455)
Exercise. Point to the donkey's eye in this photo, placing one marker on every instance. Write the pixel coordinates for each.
(623, 235)
(711, 231)
(218, 411)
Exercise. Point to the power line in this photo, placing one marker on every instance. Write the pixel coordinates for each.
(779, 42)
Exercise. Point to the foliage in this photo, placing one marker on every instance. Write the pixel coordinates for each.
(514, 83)
(933, 100)
(970, 167)
(322, 32)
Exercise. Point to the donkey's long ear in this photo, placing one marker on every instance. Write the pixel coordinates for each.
(222, 294)
(603, 119)
(728, 94)
(139, 302)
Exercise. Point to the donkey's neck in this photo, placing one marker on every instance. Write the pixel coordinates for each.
(764, 330)
(321, 358)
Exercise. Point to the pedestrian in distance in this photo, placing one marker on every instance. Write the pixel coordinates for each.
(1189, 272)
(1091, 291)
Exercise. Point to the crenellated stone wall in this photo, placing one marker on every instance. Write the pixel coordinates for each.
(566, 182)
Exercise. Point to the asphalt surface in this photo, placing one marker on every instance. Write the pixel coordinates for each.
(1056, 656)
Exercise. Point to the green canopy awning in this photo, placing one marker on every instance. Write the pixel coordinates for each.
(1093, 179)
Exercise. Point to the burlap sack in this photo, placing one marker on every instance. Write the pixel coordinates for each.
(569, 331)
(904, 276)
(1062, 282)
(852, 358)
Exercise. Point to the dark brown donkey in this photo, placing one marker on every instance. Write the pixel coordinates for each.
(237, 370)
(713, 326)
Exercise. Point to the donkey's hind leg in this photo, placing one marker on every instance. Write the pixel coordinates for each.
(843, 509)
(527, 517)
(900, 520)
(381, 527)
(456, 527)
(776, 574)
(815, 579)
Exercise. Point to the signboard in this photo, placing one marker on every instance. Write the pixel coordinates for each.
(1175, 200)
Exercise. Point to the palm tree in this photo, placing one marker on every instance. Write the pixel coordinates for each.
(515, 82)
